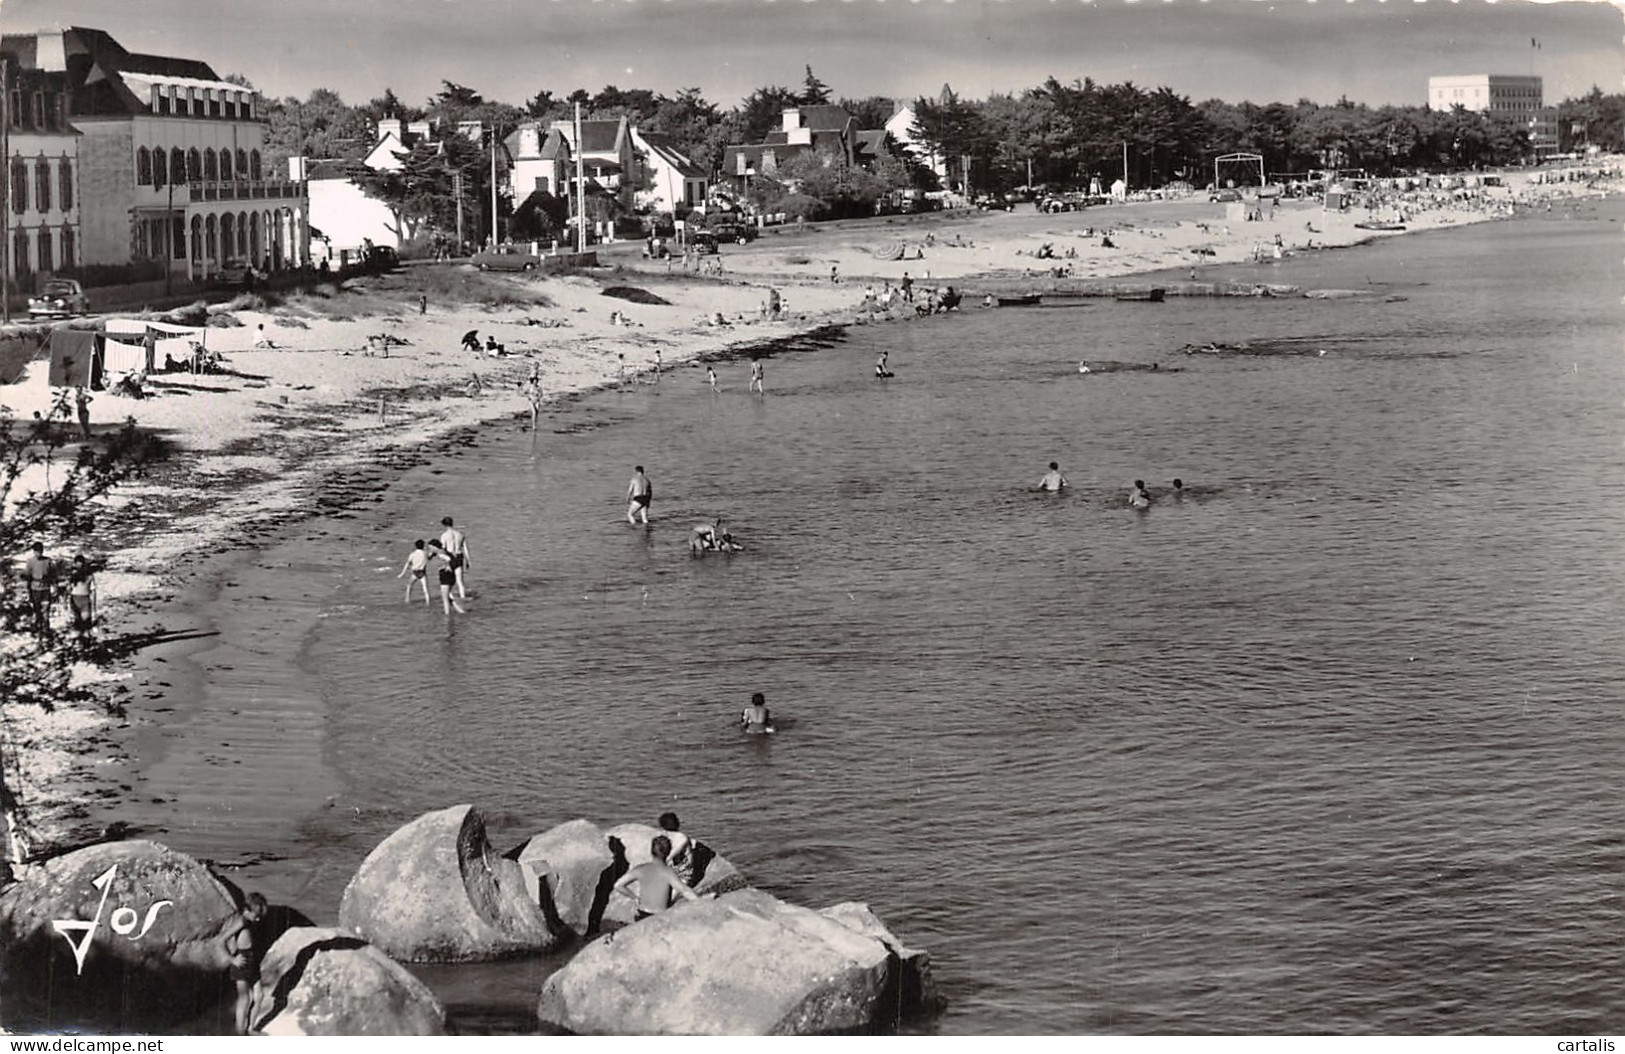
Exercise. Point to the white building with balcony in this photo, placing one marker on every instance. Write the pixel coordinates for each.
(170, 159)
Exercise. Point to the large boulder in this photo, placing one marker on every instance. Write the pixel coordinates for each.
(435, 891)
(323, 982)
(572, 867)
(154, 926)
(745, 963)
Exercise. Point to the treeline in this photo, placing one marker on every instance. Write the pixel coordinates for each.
(1070, 133)
(1056, 134)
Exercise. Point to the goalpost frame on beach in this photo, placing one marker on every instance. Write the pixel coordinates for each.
(1246, 161)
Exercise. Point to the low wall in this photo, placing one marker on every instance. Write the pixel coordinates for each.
(566, 261)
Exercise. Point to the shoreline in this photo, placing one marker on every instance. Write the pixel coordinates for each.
(333, 450)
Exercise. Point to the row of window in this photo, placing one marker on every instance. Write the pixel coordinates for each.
(39, 111)
(157, 168)
(174, 100)
(242, 236)
(41, 184)
(42, 250)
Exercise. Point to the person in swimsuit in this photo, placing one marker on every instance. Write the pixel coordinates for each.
(455, 544)
(656, 881)
(711, 377)
(82, 593)
(417, 562)
(1138, 498)
(639, 493)
(40, 572)
(681, 857)
(756, 378)
(448, 578)
(881, 369)
(1053, 480)
(755, 717)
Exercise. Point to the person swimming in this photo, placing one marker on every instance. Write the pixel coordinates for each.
(1052, 480)
(1138, 498)
(755, 718)
(711, 538)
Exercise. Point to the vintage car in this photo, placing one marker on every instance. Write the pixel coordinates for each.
(60, 298)
(507, 258)
(732, 231)
(703, 242)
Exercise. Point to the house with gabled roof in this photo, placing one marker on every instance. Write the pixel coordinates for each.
(675, 183)
(170, 158)
(822, 129)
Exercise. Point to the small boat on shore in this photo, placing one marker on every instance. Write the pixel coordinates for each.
(1374, 225)
(1024, 300)
(1153, 295)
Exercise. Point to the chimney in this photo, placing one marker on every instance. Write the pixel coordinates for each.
(390, 126)
(792, 118)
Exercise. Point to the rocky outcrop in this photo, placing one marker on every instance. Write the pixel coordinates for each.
(745, 963)
(435, 891)
(153, 925)
(574, 865)
(323, 982)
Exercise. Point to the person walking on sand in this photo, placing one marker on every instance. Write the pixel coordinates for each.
(82, 594)
(417, 562)
(756, 373)
(1053, 480)
(657, 883)
(39, 571)
(81, 404)
(455, 544)
(639, 493)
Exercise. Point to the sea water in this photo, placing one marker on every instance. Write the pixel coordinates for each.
(1330, 744)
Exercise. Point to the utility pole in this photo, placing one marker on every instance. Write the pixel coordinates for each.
(1125, 168)
(493, 185)
(5, 190)
(169, 240)
(581, 190)
(457, 192)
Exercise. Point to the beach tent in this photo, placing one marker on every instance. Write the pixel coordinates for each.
(73, 359)
(134, 345)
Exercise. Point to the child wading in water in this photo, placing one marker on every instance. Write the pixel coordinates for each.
(417, 562)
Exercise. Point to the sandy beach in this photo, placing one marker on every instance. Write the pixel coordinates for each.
(318, 419)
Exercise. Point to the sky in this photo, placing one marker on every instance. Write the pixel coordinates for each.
(1373, 51)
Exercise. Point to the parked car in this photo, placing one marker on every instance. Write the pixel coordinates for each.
(729, 231)
(703, 242)
(383, 258)
(506, 258)
(234, 276)
(992, 202)
(60, 298)
(1224, 194)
